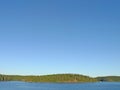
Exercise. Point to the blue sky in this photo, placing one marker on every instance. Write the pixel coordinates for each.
(60, 36)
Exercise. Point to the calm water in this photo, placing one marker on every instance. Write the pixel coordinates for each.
(59, 86)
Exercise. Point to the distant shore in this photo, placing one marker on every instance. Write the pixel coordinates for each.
(59, 78)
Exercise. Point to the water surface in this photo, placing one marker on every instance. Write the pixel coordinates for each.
(14, 85)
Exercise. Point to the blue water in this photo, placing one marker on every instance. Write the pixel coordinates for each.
(13, 85)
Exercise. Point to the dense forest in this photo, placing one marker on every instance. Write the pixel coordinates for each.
(49, 78)
(57, 78)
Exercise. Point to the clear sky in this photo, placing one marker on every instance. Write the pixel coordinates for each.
(60, 36)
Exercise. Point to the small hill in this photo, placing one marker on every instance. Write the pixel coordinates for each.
(109, 78)
(49, 78)
(62, 78)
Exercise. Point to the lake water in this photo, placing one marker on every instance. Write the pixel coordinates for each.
(13, 85)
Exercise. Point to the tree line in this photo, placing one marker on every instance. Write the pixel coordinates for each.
(57, 78)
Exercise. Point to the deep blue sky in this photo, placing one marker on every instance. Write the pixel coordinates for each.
(60, 36)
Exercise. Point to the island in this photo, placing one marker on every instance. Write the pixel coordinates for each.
(60, 78)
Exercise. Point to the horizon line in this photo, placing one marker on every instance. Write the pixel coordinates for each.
(56, 74)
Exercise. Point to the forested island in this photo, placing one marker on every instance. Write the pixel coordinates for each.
(69, 78)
